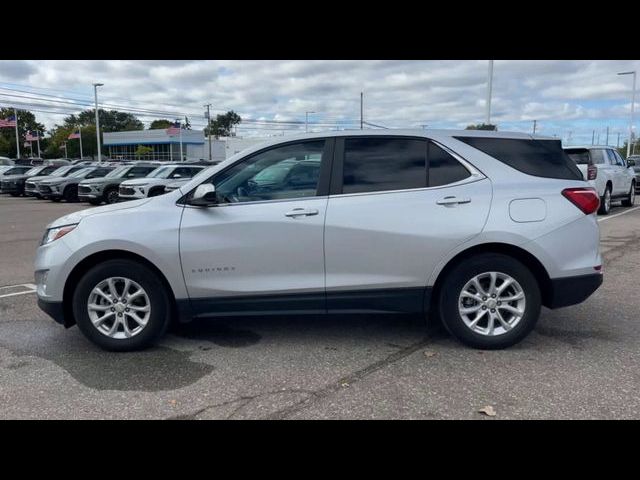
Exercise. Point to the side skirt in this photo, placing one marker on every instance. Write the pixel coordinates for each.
(402, 300)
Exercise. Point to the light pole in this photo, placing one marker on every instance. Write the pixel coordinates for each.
(208, 114)
(95, 91)
(633, 101)
(489, 91)
(306, 121)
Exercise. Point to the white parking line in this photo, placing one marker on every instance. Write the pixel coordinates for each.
(602, 219)
(31, 288)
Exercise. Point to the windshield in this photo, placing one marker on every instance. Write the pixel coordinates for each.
(33, 171)
(60, 172)
(82, 172)
(161, 172)
(275, 174)
(118, 172)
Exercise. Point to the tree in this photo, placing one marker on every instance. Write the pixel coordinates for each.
(222, 125)
(110, 120)
(482, 126)
(143, 151)
(160, 124)
(26, 122)
(59, 134)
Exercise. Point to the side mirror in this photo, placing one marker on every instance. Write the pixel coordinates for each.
(204, 196)
(631, 163)
(177, 176)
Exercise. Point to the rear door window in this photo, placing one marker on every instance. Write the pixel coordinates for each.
(540, 158)
(579, 155)
(375, 164)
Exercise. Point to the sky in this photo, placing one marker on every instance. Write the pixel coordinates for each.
(567, 98)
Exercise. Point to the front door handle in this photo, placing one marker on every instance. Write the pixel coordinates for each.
(453, 201)
(301, 212)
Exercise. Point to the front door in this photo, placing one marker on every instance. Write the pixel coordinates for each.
(260, 249)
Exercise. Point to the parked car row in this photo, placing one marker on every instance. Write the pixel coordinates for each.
(95, 182)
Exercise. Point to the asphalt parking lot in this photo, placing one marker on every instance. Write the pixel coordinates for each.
(580, 362)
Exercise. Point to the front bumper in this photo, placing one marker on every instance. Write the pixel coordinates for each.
(9, 188)
(568, 291)
(55, 310)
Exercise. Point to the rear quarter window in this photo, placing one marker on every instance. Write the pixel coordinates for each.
(540, 158)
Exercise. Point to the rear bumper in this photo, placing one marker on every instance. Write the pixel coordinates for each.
(572, 290)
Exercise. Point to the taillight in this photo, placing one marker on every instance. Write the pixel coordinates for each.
(592, 172)
(586, 199)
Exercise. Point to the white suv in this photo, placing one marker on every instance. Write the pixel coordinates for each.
(479, 228)
(154, 183)
(605, 169)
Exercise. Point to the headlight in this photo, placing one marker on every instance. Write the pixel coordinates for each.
(53, 234)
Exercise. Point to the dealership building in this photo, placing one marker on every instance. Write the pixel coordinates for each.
(195, 146)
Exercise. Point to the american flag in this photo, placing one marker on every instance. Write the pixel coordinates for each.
(74, 135)
(30, 137)
(8, 122)
(173, 130)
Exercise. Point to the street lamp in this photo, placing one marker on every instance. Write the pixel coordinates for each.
(95, 91)
(633, 101)
(306, 121)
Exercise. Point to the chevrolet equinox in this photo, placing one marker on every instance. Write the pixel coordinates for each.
(479, 229)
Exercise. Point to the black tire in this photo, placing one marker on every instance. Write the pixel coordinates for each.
(158, 296)
(111, 196)
(630, 199)
(462, 273)
(70, 193)
(94, 201)
(605, 207)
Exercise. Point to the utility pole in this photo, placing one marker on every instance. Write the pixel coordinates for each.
(598, 139)
(80, 138)
(593, 137)
(15, 113)
(618, 143)
(489, 91)
(38, 139)
(208, 105)
(607, 142)
(534, 126)
(633, 101)
(361, 110)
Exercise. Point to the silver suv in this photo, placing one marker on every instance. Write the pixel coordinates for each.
(479, 228)
(66, 188)
(105, 189)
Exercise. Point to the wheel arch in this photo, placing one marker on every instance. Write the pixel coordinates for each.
(528, 259)
(87, 263)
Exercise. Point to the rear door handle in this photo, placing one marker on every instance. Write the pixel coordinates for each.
(453, 201)
(301, 212)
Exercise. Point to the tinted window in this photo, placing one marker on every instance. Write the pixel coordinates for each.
(379, 164)
(289, 171)
(443, 167)
(48, 170)
(541, 158)
(578, 155)
(598, 156)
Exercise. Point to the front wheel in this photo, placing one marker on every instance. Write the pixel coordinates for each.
(111, 196)
(630, 199)
(121, 305)
(490, 301)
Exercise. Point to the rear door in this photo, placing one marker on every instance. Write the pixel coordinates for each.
(397, 206)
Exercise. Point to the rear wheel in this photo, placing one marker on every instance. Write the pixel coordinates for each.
(490, 301)
(605, 201)
(630, 199)
(121, 305)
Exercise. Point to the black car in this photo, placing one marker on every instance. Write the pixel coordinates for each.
(14, 184)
